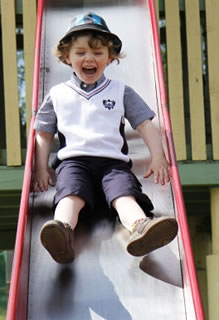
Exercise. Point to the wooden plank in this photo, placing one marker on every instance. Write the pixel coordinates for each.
(29, 24)
(11, 178)
(215, 221)
(175, 79)
(213, 288)
(157, 9)
(196, 101)
(7, 238)
(10, 83)
(212, 13)
(199, 173)
(213, 260)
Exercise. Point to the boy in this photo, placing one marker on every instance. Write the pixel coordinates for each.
(88, 114)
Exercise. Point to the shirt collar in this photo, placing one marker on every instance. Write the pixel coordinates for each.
(86, 87)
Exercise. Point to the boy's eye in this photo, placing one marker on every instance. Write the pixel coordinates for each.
(98, 53)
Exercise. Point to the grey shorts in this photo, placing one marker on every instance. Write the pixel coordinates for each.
(86, 177)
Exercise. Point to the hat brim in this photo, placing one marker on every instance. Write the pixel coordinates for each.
(116, 41)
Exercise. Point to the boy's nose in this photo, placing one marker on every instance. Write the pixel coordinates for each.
(89, 56)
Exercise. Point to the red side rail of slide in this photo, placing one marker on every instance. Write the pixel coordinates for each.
(18, 251)
(177, 190)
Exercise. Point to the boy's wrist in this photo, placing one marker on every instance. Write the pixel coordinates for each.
(40, 169)
(158, 155)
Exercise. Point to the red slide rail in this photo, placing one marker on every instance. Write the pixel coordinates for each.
(19, 244)
(177, 190)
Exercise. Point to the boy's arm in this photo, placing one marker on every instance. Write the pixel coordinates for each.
(42, 176)
(159, 165)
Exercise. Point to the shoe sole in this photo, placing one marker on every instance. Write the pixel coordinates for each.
(157, 236)
(53, 238)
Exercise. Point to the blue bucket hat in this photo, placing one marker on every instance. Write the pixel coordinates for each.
(91, 21)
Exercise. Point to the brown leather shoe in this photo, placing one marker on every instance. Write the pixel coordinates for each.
(151, 234)
(57, 237)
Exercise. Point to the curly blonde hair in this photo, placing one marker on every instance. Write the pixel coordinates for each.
(63, 47)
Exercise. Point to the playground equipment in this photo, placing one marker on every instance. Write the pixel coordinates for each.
(104, 282)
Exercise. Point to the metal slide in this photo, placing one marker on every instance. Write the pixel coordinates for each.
(104, 281)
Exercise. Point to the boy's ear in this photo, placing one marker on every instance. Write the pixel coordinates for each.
(67, 60)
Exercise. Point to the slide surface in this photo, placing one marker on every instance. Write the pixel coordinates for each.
(104, 281)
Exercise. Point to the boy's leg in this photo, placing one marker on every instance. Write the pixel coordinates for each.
(147, 234)
(74, 183)
(68, 209)
(57, 235)
(128, 210)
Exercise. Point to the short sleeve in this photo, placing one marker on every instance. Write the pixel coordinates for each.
(136, 110)
(46, 120)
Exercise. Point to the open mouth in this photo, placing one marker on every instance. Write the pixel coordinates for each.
(89, 71)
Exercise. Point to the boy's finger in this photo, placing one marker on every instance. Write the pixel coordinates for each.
(166, 176)
(45, 186)
(51, 182)
(148, 173)
(157, 178)
(35, 187)
(42, 185)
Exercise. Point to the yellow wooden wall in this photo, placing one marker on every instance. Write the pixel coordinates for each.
(196, 88)
(29, 22)
(174, 75)
(10, 83)
(212, 14)
(10, 74)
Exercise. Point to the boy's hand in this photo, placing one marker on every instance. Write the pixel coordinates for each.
(159, 164)
(42, 179)
(161, 170)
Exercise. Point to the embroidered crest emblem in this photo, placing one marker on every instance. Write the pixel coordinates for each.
(109, 104)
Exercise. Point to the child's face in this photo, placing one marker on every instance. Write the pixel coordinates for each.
(88, 63)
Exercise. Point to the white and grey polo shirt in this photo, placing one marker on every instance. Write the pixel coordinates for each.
(90, 120)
